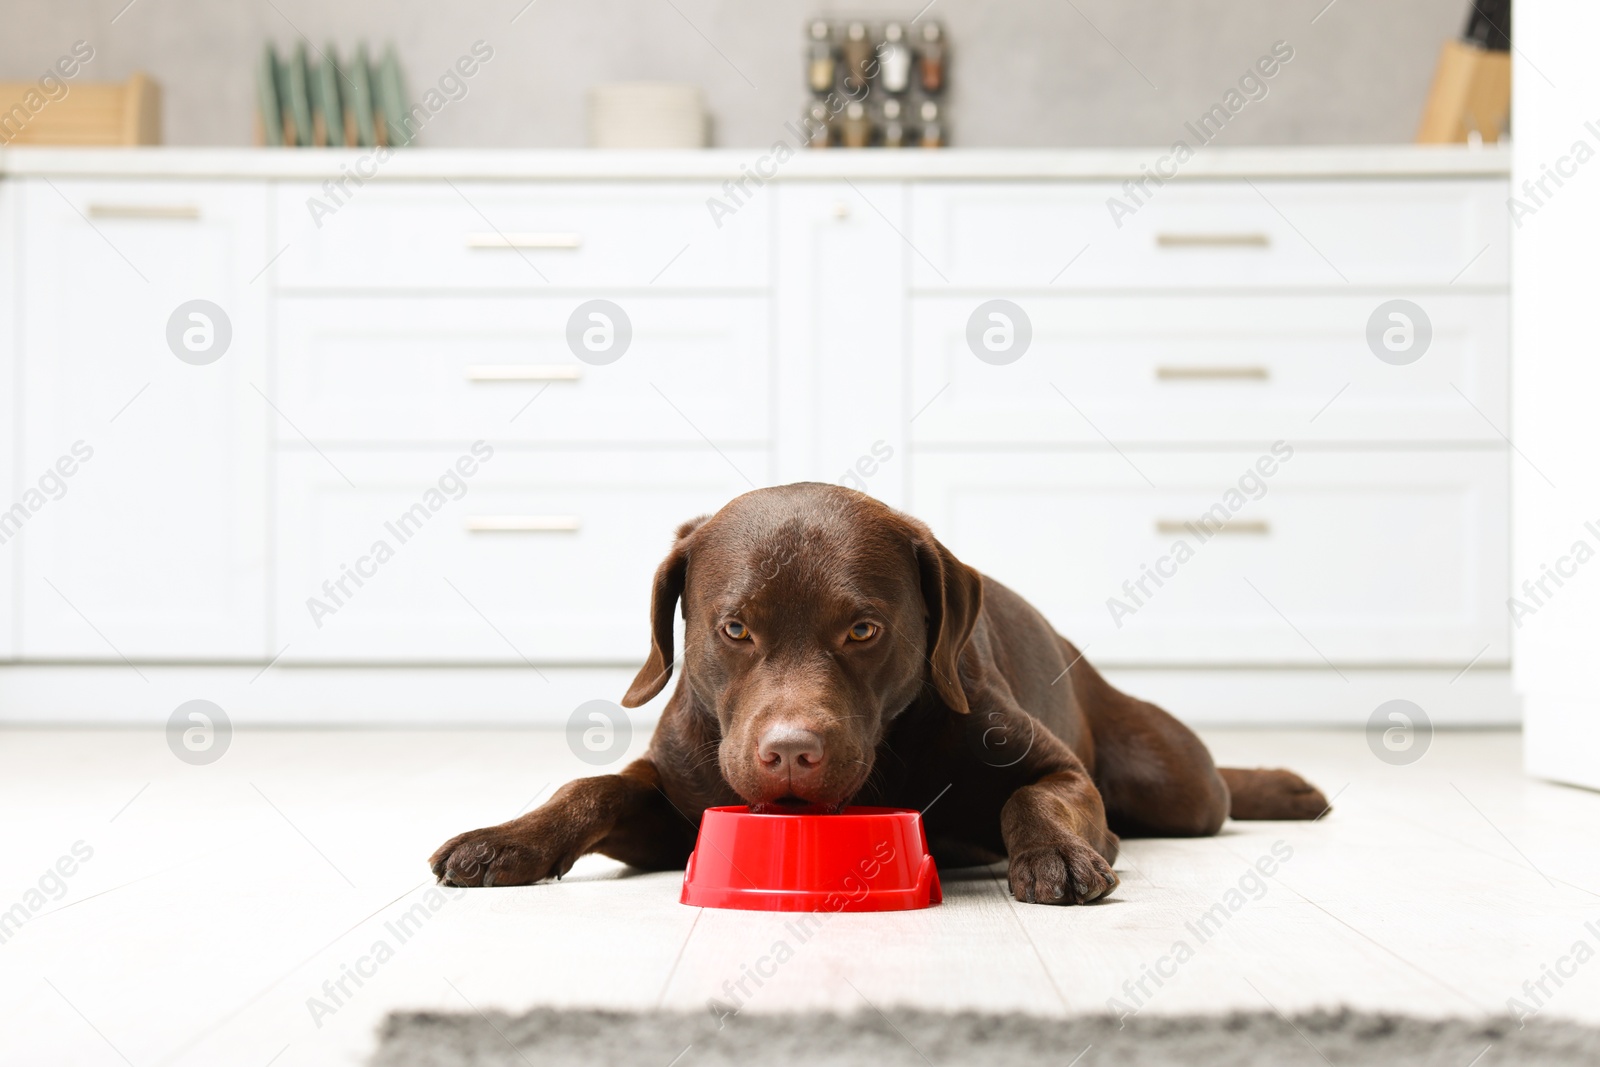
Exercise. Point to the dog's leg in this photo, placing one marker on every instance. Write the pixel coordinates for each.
(1274, 794)
(1056, 837)
(1155, 774)
(624, 816)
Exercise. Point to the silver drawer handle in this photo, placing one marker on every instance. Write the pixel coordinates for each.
(1212, 240)
(522, 524)
(523, 372)
(1199, 527)
(1212, 374)
(187, 212)
(524, 240)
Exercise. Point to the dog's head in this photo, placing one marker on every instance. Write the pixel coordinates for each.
(813, 615)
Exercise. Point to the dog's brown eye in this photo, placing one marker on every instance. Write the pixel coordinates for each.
(736, 630)
(863, 631)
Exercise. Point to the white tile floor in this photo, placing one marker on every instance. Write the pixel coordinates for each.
(219, 899)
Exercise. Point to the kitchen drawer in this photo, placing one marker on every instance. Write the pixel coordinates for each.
(545, 556)
(450, 369)
(1358, 558)
(443, 236)
(1210, 235)
(1209, 369)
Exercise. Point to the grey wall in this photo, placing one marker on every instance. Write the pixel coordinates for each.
(1024, 72)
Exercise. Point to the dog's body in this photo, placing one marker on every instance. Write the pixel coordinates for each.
(836, 653)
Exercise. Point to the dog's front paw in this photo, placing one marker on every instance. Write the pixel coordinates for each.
(1069, 872)
(497, 856)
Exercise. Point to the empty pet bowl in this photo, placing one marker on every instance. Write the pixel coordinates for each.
(862, 859)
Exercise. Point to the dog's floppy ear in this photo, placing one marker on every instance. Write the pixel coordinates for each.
(953, 593)
(664, 596)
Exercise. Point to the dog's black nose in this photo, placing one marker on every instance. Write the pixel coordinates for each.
(791, 751)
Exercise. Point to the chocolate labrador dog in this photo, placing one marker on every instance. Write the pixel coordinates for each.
(836, 653)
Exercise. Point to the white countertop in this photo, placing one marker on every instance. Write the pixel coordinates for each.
(722, 163)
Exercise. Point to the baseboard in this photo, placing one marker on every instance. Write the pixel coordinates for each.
(312, 696)
(519, 696)
(1482, 696)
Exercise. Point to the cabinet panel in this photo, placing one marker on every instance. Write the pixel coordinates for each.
(545, 556)
(154, 546)
(1379, 558)
(1210, 235)
(521, 235)
(385, 369)
(1207, 369)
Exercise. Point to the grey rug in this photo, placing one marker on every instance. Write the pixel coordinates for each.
(917, 1039)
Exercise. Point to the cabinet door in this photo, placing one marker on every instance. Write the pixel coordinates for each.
(1280, 558)
(841, 314)
(154, 545)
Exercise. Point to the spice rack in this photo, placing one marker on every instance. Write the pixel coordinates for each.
(876, 85)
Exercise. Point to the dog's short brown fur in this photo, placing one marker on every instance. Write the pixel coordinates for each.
(836, 653)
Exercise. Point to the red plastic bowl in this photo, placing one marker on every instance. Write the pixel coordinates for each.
(862, 859)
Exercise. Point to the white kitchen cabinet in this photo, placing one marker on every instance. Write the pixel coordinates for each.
(840, 329)
(538, 556)
(156, 547)
(817, 329)
(1310, 559)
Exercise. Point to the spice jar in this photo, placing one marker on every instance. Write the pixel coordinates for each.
(894, 127)
(856, 129)
(933, 135)
(820, 65)
(818, 126)
(933, 58)
(857, 54)
(894, 59)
